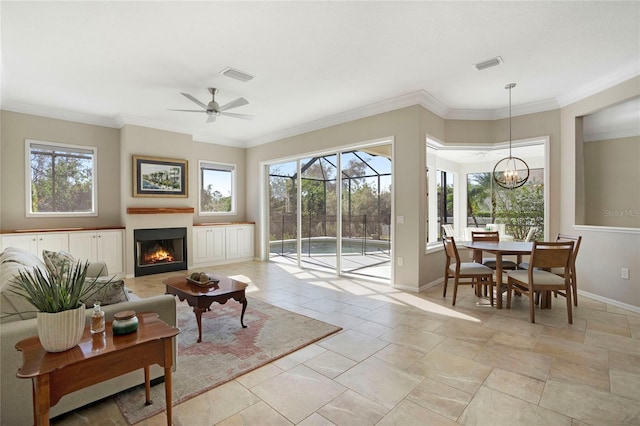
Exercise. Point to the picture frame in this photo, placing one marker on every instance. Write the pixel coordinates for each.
(160, 177)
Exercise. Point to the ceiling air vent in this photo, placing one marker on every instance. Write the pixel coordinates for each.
(236, 74)
(488, 63)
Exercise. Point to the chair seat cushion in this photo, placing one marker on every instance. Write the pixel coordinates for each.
(506, 264)
(471, 268)
(540, 278)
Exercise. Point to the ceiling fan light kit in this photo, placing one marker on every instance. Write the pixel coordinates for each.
(212, 109)
(510, 172)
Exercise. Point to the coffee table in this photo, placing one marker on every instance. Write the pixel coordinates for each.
(201, 298)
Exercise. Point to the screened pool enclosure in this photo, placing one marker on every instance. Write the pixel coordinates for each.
(333, 211)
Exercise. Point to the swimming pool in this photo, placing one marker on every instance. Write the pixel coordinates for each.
(324, 245)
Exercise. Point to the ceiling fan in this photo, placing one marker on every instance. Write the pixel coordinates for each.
(213, 110)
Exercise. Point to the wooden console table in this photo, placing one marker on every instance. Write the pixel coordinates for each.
(97, 358)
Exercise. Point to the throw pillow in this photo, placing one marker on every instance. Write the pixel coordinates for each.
(109, 294)
(58, 262)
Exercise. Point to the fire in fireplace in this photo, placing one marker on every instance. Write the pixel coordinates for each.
(160, 250)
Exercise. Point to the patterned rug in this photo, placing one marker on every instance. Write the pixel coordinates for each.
(227, 350)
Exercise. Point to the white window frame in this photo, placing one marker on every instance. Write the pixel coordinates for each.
(69, 147)
(216, 165)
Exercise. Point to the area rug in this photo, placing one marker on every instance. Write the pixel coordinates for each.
(227, 350)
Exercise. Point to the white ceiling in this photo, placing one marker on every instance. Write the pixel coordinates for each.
(315, 63)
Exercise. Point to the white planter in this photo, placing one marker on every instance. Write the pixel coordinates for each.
(61, 330)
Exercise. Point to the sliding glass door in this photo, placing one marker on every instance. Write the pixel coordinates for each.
(306, 197)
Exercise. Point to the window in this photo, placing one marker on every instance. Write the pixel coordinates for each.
(518, 209)
(61, 179)
(217, 188)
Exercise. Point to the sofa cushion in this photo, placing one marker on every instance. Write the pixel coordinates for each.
(110, 293)
(59, 263)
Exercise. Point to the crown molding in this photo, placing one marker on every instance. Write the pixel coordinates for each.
(597, 86)
(61, 114)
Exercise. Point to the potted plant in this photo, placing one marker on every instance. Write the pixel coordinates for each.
(58, 295)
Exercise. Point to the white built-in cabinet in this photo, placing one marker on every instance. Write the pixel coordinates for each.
(35, 243)
(208, 244)
(104, 245)
(98, 246)
(222, 244)
(239, 241)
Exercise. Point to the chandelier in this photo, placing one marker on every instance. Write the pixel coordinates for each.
(510, 172)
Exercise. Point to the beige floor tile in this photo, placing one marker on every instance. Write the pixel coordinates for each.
(612, 341)
(103, 412)
(611, 328)
(574, 352)
(589, 405)
(379, 381)
(622, 361)
(353, 345)
(371, 328)
(510, 325)
(413, 338)
(257, 414)
(316, 420)
(579, 373)
(492, 408)
(464, 348)
(211, 407)
(298, 357)
(517, 341)
(298, 392)
(440, 398)
(626, 384)
(330, 364)
(563, 334)
(517, 385)
(352, 409)
(401, 356)
(410, 413)
(259, 375)
(453, 370)
(464, 330)
(517, 360)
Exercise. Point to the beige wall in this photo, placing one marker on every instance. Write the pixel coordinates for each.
(611, 164)
(604, 250)
(138, 140)
(16, 128)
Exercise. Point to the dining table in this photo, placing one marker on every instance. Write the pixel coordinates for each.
(500, 249)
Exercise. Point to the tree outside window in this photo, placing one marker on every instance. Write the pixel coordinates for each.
(216, 188)
(61, 179)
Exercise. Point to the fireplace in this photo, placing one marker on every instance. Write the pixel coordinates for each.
(159, 250)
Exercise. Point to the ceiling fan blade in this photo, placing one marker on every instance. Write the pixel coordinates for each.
(187, 110)
(211, 118)
(234, 104)
(192, 99)
(234, 115)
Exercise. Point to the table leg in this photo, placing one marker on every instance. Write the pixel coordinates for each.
(244, 308)
(147, 386)
(498, 281)
(167, 394)
(41, 401)
(198, 312)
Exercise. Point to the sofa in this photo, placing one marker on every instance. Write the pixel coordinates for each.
(17, 323)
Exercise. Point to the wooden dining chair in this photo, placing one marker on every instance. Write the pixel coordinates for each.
(572, 267)
(490, 236)
(448, 230)
(530, 233)
(544, 257)
(476, 273)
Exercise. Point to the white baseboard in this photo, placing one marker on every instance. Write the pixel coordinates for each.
(421, 288)
(608, 301)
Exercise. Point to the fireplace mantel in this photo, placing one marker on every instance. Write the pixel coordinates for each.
(160, 210)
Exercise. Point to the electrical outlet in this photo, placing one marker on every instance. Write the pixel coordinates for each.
(624, 273)
(400, 261)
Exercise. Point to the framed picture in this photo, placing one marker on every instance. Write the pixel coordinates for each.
(160, 177)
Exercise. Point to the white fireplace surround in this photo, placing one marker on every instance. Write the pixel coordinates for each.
(149, 221)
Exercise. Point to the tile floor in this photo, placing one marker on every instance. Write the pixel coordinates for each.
(413, 359)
